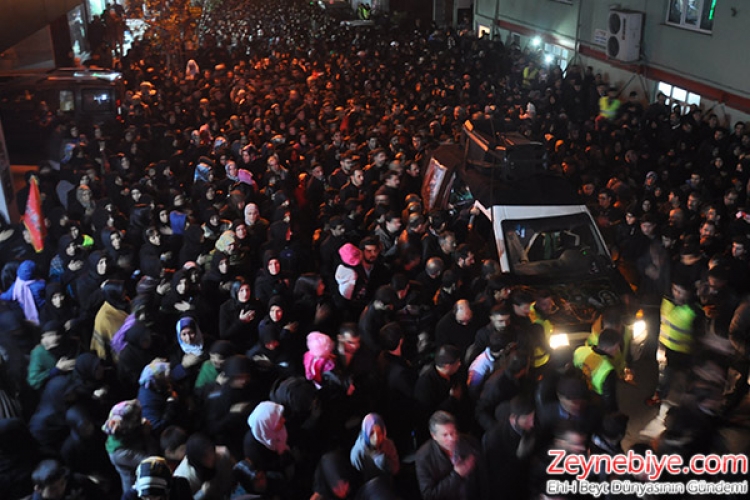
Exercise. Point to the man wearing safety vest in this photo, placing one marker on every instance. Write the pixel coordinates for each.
(682, 323)
(530, 75)
(598, 368)
(609, 104)
(611, 318)
(540, 313)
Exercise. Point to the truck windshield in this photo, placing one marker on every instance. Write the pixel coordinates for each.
(559, 246)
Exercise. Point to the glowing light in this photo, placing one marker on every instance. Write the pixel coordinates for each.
(558, 340)
(536, 41)
(549, 58)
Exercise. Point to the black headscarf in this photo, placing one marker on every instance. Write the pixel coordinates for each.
(332, 468)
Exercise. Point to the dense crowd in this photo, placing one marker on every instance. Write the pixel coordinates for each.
(241, 295)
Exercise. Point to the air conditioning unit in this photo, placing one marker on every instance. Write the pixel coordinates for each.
(624, 35)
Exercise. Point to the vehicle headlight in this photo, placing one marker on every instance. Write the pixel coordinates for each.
(639, 331)
(557, 340)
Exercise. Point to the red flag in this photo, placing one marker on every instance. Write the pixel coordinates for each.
(32, 217)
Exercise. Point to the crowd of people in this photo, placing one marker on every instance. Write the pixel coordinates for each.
(241, 295)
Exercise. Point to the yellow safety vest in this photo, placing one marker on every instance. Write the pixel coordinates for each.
(608, 107)
(594, 366)
(620, 361)
(541, 356)
(676, 329)
(528, 76)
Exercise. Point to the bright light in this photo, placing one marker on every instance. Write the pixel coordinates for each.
(558, 340)
(639, 331)
(536, 41)
(549, 58)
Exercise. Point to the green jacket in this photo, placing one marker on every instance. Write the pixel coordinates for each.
(41, 367)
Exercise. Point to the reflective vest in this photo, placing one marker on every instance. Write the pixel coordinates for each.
(620, 361)
(676, 330)
(595, 367)
(608, 107)
(529, 75)
(541, 356)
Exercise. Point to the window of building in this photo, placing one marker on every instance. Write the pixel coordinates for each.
(676, 95)
(692, 14)
(554, 55)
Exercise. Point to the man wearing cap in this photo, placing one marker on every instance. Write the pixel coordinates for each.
(154, 481)
(681, 324)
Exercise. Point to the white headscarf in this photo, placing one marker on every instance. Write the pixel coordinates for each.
(264, 423)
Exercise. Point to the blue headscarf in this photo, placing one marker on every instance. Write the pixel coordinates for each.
(197, 347)
(370, 421)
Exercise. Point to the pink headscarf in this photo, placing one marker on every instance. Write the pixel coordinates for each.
(318, 358)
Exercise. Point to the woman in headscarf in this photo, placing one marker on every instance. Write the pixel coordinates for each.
(217, 282)
(373, 454)
(186, 358)
(265, 447)
(58, 221)
(58, 307)
(116, 190)
(83, 205)
(69, 262)
(240, 316)
(193, 246)
(226, 244)
(120, 253)
(128, 440)
(271, 281)
(243, 255)
(27, 291)
(88, 287)
(101, 218)
(110, 317)
(312, 305)
(346, 275)
(333, 478)
(206, 196)
(213, 225)
(138, 349)
(159, 402)
(181, 296)
(141, 218)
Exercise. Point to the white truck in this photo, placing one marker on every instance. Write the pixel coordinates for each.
(544, 235)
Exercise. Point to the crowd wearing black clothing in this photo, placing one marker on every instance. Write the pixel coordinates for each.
(269, 190)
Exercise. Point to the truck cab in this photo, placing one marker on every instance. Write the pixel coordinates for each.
(536, 226)
(88, 96)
